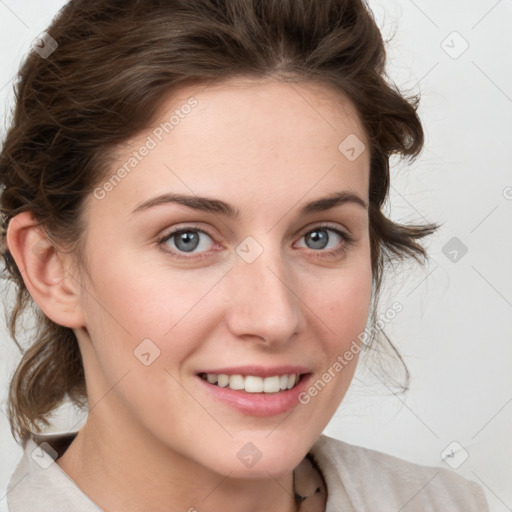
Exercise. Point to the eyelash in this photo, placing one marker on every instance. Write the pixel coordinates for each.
(333, 253)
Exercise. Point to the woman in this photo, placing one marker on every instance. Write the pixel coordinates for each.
(192, 197)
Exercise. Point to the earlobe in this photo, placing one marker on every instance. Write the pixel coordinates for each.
(44, 271)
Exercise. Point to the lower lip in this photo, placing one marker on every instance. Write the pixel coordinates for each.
(258, 404)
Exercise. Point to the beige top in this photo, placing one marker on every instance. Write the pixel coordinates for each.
(356, 479)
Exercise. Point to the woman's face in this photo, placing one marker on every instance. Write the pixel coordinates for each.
(258, 286)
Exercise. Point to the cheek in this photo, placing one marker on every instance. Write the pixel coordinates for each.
(143, 325)
(344, 303)
(340, 314)
(153, 315)
(342, 310)
(150, 300)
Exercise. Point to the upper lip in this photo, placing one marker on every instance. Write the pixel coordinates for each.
(258, 371)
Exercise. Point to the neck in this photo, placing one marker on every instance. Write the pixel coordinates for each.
(122, 468)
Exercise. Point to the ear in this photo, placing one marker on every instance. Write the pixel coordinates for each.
(45, 271)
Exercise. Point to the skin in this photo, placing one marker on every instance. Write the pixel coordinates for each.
(153, 436)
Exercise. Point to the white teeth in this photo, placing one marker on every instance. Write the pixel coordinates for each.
(236, 382)
(271, 385)
(212, 378)
(223, 380)
(291, 381)
(252, 383)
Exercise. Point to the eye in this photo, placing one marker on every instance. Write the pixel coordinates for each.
(192, 242)
(187, 240)
(326, 239)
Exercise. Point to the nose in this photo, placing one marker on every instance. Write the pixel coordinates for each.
(263, 304)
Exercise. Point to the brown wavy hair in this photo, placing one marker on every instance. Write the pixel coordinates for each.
(115, 63)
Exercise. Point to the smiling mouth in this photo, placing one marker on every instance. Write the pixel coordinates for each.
(253, 383)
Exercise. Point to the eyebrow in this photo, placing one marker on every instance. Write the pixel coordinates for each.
(211, 205)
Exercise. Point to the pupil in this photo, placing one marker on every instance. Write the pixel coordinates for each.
(319, 237)
(187, 241)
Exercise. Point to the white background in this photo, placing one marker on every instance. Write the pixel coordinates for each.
(455, 327)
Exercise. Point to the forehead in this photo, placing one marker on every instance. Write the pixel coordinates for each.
(268, 111)
(243, 138)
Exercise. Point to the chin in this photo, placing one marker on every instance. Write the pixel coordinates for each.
(263, 456)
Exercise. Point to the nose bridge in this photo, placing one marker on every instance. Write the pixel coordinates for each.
(264, 303)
